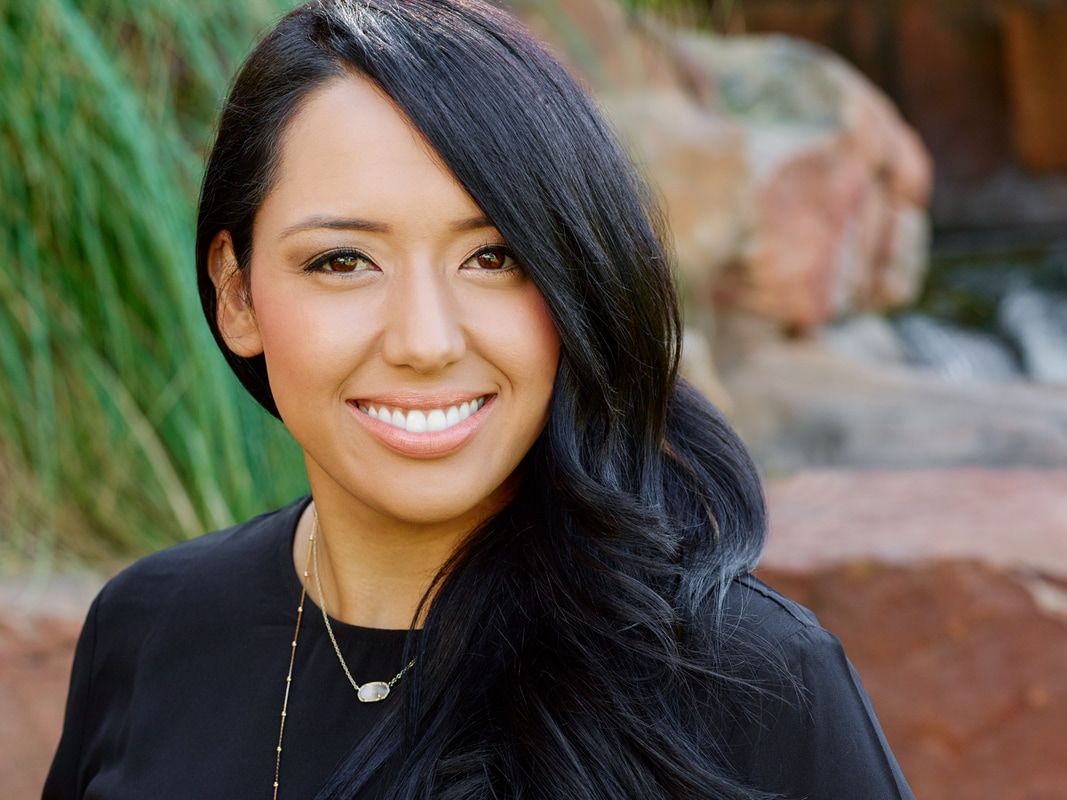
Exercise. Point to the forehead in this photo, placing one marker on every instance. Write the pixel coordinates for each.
(348, 149)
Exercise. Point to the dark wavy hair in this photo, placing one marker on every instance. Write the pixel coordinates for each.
(576, 647)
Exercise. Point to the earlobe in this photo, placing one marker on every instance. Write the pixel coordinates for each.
(235, 316)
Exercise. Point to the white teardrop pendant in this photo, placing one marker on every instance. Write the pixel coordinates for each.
(373, 692)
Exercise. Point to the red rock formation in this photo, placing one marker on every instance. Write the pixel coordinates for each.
(948, 590)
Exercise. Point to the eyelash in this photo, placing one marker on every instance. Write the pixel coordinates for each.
(316, 265)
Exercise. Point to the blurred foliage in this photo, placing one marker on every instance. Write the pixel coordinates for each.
(121, 428)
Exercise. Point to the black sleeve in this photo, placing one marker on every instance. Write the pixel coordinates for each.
(64, 777)
(820, 740)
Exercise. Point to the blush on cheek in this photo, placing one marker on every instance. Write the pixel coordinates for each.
(544, 328)
(317, 345)
(301, 359)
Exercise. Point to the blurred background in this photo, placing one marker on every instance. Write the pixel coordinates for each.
(869, 205)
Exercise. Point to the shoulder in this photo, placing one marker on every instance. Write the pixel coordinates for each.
(199, 568)
(148, 624)
(785, 648)
(766, 612)
(795, 643)
(782, 647)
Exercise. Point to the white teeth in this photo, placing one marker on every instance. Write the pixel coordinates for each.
(424, 421)
(435, 420)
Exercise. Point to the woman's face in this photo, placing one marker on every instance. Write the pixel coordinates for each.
(377, 284)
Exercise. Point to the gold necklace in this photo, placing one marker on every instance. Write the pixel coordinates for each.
(289, 676)
(370, 692)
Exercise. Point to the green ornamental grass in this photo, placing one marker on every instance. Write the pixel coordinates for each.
(121, 428)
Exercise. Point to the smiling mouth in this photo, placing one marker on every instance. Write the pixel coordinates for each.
(423, 420)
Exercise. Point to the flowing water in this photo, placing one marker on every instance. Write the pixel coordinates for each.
(994, 306)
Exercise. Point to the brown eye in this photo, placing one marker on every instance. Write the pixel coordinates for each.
(342, 262)
(346, 262)
(495, 259)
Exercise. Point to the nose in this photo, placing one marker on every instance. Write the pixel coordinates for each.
(423, 329)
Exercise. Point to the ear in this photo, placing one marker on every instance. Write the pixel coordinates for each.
(235, 316)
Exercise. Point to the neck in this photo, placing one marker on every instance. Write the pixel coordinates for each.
(374, 568)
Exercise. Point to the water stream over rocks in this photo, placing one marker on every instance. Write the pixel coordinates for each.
(993, 314)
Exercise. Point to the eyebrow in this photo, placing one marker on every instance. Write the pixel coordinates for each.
(370, 226)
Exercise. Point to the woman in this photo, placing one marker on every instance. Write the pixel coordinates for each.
(525, 569)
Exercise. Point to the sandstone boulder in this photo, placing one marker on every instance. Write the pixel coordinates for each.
(698, 164)
(838, 182)
(800, 405)
(794, 189)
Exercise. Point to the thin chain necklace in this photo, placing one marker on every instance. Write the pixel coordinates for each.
(289, 676)
(370, 692)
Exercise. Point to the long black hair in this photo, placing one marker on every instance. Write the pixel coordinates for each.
(575, 647)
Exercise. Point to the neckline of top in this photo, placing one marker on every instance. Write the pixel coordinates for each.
(290, 517)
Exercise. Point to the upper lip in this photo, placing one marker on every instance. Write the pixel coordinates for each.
(420, 400)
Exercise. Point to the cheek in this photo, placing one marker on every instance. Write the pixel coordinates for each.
(535, 343)
(548, 340)
(304, 341)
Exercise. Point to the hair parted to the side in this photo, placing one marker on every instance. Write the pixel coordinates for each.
(575, 647)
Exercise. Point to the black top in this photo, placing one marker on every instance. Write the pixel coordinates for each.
(179, 674)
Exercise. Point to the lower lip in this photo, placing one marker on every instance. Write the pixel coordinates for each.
(424, 445)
